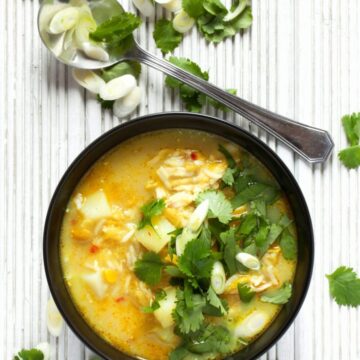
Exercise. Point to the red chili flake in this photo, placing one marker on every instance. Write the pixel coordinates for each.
(94, 249)
(194, 155)
(119, 299)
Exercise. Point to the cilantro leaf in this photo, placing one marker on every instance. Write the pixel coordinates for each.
(193, 8)
(116, 29)
(173, 271)
(166, 37)
(212, 25)
(229, 158)
(228, 177)
(212, 339)
(192, 98)
(288, 246)
(230, 250)
(218, 105)
(159, 295)
(188, 314)
(280, 296)
(219, 206)
(351, 124)
(151, 209)
(248, 224)
(196, 262)
(120, 69)
(148, 268)
(253, 191)
(215, 301)
(32, 354)
(350, 157)
(179, 353)
(245, 293)
(344, 286)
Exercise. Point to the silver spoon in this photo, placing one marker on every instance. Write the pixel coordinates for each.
(313, 144)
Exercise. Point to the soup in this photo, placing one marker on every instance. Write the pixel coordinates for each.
(178, 244)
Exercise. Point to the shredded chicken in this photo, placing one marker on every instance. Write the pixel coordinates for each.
(180, 176)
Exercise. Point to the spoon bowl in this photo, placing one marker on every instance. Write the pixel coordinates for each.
(312, 144)
(101, 11)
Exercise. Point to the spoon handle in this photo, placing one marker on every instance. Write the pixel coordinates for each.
(313, 144)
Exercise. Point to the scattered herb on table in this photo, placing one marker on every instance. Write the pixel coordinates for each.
(32, 354)
(166, 37)
(350, 156)
(193, 99)
(344, 285)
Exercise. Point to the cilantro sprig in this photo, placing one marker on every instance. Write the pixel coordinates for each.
(160, 294)
(344, 285)
(148, 269)
(149, 210)
(116, 29)
(32, 354)
(350, 156)
(167, 39)
(193, 99)
(280, 296)
(215, 22)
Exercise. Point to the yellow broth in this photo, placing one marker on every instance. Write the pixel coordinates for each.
(98, 254)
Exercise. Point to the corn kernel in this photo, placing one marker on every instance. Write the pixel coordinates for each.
(110, 275)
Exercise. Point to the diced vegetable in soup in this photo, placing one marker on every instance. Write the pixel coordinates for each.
(179, 245)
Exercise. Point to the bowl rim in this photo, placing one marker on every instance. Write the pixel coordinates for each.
(137, 122)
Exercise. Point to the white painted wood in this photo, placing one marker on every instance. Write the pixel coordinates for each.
(300, 58)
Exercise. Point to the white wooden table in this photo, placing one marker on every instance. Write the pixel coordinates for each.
(301, 58)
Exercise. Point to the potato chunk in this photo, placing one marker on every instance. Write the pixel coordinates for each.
(96, 206)
(155, 237)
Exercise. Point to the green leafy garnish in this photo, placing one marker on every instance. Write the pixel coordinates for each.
(32, 354)
(230, 249)
(219, 206)
(288, 246)
(350, 156)
(191, 97)
(280, 296)
(209, 339)
(253, 191)
(148, 268)
(212, 24)
(245, 293)
(159, 295)
(197, 261)
(116, 29)
(351, 125)
(344, 286)
(229, 158)
(215, 301)
(151, 209)
(166, 37)
(120, 69)
(188, 314)
(218, 105)
(228, 177)
(193, 7)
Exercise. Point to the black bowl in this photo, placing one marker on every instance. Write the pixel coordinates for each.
(186, 121)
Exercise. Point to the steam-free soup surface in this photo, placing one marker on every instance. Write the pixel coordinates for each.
(107, 236)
